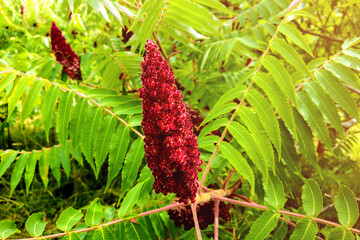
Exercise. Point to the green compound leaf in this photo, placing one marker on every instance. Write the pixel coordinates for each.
(346, 207)
(36, 224)
(296, 36)
(48, 107)
(305, 229)
(7, 228)
(94, 214)
(68, 218)
(263, 226)
(340, 233)
(238, 162)
(312, 199)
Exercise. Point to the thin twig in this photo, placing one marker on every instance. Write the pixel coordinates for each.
(196, 222)
(216, 220)
(317, 34)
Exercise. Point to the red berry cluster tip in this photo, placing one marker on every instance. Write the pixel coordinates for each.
(64, 54)
(171, 148)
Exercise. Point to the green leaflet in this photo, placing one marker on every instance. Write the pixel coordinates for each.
(103, 233)
(7, 228)
(7, 80)
(275, 191)
(68, 218)
(350, 42)
(48, 107)
(30, 169)
(267, 117)
(288, 151)
(136, 231)
(18, 171)
(215, 112)
(130, 199)
(346, 207)
(101, 93)
(118, 149)
(215, 125)
(343, 73)
(337, 91)
(36, 224)
(55, 164)
(306, 142)
(115, 100)
(17, 93)
(44, 163)
(296, 36)
(6, 159)
(324, 102)
(63, 116)
(102, 141)
(129, 108)
(148, 179)
(72, 236)
(340, 233)
(348, 61)
(238, 162)
(110, 6)
(89, 133)
(278, 99)
(158, 224)
(312, 199)
(305, 229)
(290, 55)
(216, 5)
(250, 145)
(281, 76)
(313, 117)
(94, 214)
(258, 132)
(62, 152)
(131, 166)
(30, 100)
(230, 95)
(263, 226)
(77, 121)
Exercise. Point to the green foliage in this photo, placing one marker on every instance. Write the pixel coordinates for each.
(283, 84)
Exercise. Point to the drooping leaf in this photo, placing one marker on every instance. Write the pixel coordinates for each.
(131, 165)
(55, 164)
(313, 117)
(244, 138)
(305, 229)
(267, 117)
(118, 149)
(30, 169)
(136, 231)
(262, 227)
(130, 199)
(258, 132)
(6, 159)
(288, 151)
(17, 93)
(44, 163)
(18, 171)
(278, 99)
(281, 76)
(62, 153)
(63, 116)
(275, 191)
(48, 107)
(36, 224)
(312, 199)
(324, 102)
(30, 100)
(296, 36)
(94, 214)
(215, 112)
(348, 61)
(343, 73)
(109, 5)
(7, 80)
(337, 91)
(346, 207)
(340, 233)
(214, 125)
(238, 162)
(68, 218)
(7, 228)
(129, 108)
(89, 133)
(103, 138)
(77, 122)
(230, 95)
(290, 55)
(158, 225)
